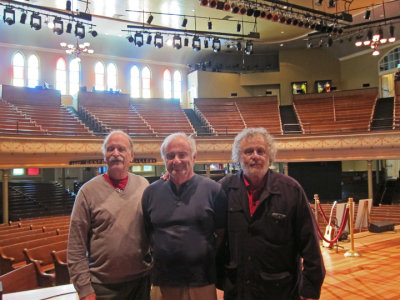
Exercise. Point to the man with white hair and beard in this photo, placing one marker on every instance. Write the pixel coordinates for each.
(273, 250)
(108, 253)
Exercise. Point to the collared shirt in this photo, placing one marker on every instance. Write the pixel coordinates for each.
(253, 195)
(119, 184)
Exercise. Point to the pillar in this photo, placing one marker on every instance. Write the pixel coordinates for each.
(5, 195)
(370, 190)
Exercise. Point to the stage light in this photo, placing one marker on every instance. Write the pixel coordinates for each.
(158, 40)
(79, 30)
(138, 39)
(250, 12)
(22, 20)
(235, 9)
(209, 25)
(257, 13)
(184, 22)
(177, 42)
(150, 19)
(186, 42)
(331, 4)
(318, 2)
(58, 26)
(69, 28)
(196, 43)
(242, 10)
(130, 39)
(36, 21)
(227, 6)
(9, 16)
(367, 14)
(248, 48)
(149, 38)
(93, 32)
(205, 43)
(216, 45)
(238, 46)
(204, 2)
(212, 3)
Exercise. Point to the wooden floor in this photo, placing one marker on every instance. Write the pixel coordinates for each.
(375, 275)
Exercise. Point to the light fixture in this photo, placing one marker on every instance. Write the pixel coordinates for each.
(77, 49)
(149, 38)
(248, 49)
(204, 2)
(235, 9)
(196, 43)
(138, 39)
(216, 45)
(238, 46)
(130, 38)
(257, 13)
(58, 26)
(375, 40)
(68, 5)
(205, 43)
(250, 12)
(184, 22)
(318, 2)
(79, 30)
(9, 16)
(209, 24)
(158, 40)
(150, 19)
(392, 38)
(93, 32)
(331, 4)
(22, 19)
(36, 21)
(177, 42)
(69, 28)
(186, 42)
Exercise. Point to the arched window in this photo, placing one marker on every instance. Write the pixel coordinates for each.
(390, 61)
(18, 69)
(177, 85)
(111, 77)
(99, 76)
(74, 76)
(167, 84)
(33, 71)
(135, 82)
(61, 76)
(146, 86)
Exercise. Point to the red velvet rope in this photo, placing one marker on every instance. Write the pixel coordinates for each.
(341, 228)
(323, 214)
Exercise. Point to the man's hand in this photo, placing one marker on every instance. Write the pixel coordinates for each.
(89, 297)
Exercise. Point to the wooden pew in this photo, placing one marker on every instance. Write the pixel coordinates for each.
(24, 278)
(61, 266)
(12, 256)
(43, 260)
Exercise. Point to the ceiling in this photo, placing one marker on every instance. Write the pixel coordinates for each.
(111, 19)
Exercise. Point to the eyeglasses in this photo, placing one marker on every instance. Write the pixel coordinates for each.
(258, 151)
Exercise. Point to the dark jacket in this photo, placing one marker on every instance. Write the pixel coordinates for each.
(265, 250)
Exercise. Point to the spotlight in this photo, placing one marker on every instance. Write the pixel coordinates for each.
(93, 33)
(204, 2)
(227, 6)
(149, 38)
(295, 22)
(331, 4)
(269, 16)
(242, 10)
(235, 9)
(238, 27)
(79, 30)
(69, 28)
(177, 42)
(68, 5)
(22, 20)
(212, 4)
(184, 22)
(248, 48)
(196, 43)
(186, 42)
(150, 19)
(205, 43)
(36, 21)
(158, 40)
(318, 2)
(138, 39)
(216, 45)
(9, 16)
(250, 12)
(367, 14)
(58, 26)
(209, 25)
(257, 13)
(130, 39)
(263, 14)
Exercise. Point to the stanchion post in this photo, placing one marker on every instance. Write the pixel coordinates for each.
(316, 198)
(351, 252)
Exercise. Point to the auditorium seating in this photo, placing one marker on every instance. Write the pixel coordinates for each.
(28, 199)
(163, 116)
(336, 112)
(396, 113)
(21, 279)
(60, 266)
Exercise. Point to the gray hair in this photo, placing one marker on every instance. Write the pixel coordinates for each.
(104, 147)
(249, 133)
(168, 139)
